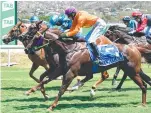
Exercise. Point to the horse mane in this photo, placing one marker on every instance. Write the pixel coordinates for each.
(117, 27)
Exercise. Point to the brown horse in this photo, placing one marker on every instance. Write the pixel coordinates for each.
(75, 54)
(119, 35)
(38, 58)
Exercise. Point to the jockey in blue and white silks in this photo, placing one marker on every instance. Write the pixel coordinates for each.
(130, 23)
(64, 23)
(34, 19)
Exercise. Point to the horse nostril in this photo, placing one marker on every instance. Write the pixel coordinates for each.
(4, 40)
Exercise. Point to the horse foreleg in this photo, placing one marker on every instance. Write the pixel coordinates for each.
(79, 84)
(32, 70)
(115, 76)
(46, 66)
(66, 82)
(33, 89)
(104, 76)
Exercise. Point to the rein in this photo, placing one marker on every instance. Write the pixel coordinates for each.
(51, 41)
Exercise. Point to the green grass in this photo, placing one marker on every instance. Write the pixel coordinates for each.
(15, 81)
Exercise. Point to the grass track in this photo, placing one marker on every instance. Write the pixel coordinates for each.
(15, 81)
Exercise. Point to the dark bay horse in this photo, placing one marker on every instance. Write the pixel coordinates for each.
(119, 35)
(75, 54)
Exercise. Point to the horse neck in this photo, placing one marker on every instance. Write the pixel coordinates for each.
(55, 31)
(66, 47)
(25, 43)
(123, 37)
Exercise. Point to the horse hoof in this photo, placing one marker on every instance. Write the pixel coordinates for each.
(46, 97)
(26, 93)
(118, 89)
(114, 82)
(75, 88)
(50, 109)
(92, 93)
(142, 105)
(69, 89)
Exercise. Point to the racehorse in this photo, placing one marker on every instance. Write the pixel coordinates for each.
(119, 35)
(75, 54)
(38, 58)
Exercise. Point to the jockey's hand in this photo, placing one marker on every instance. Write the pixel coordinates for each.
(131, 32)
(63, 35)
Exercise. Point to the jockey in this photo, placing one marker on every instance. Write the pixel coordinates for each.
(34, 19)
(64, 22)
(84, 19)
(130, 23)
(142, 22)
(147, 30)
(60, 20)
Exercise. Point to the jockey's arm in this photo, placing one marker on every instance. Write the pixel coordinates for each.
(75, 28)
(142, 26)
(133, 26)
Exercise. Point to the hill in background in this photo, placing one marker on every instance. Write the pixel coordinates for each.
(108, 10)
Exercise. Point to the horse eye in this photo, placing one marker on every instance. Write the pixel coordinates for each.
(22, 26)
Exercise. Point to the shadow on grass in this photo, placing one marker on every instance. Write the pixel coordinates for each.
(113, 90)
(80, 105)
(81, 98)
(65, 106)
(25, 89)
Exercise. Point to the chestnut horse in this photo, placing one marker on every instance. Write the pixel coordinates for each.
(38, 58)
(75, 54)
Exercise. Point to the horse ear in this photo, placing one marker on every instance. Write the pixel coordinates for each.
(19, 23)
(20, 20)
(39, 22)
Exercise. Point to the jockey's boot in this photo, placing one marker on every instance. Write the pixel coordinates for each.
(96, 53)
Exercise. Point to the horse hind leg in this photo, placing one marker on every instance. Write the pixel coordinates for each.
(104, 76)
(115, 76)
(121, 82)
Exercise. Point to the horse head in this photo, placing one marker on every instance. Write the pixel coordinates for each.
(15, 32)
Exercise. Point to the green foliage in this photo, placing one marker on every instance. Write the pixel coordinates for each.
(45, 18)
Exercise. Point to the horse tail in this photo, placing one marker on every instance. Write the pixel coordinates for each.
(147, 57)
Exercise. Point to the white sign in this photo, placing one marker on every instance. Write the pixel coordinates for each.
(7, 22)
(7, 5)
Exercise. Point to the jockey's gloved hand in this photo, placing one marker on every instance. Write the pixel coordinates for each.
(63, 35)
(132, 32)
